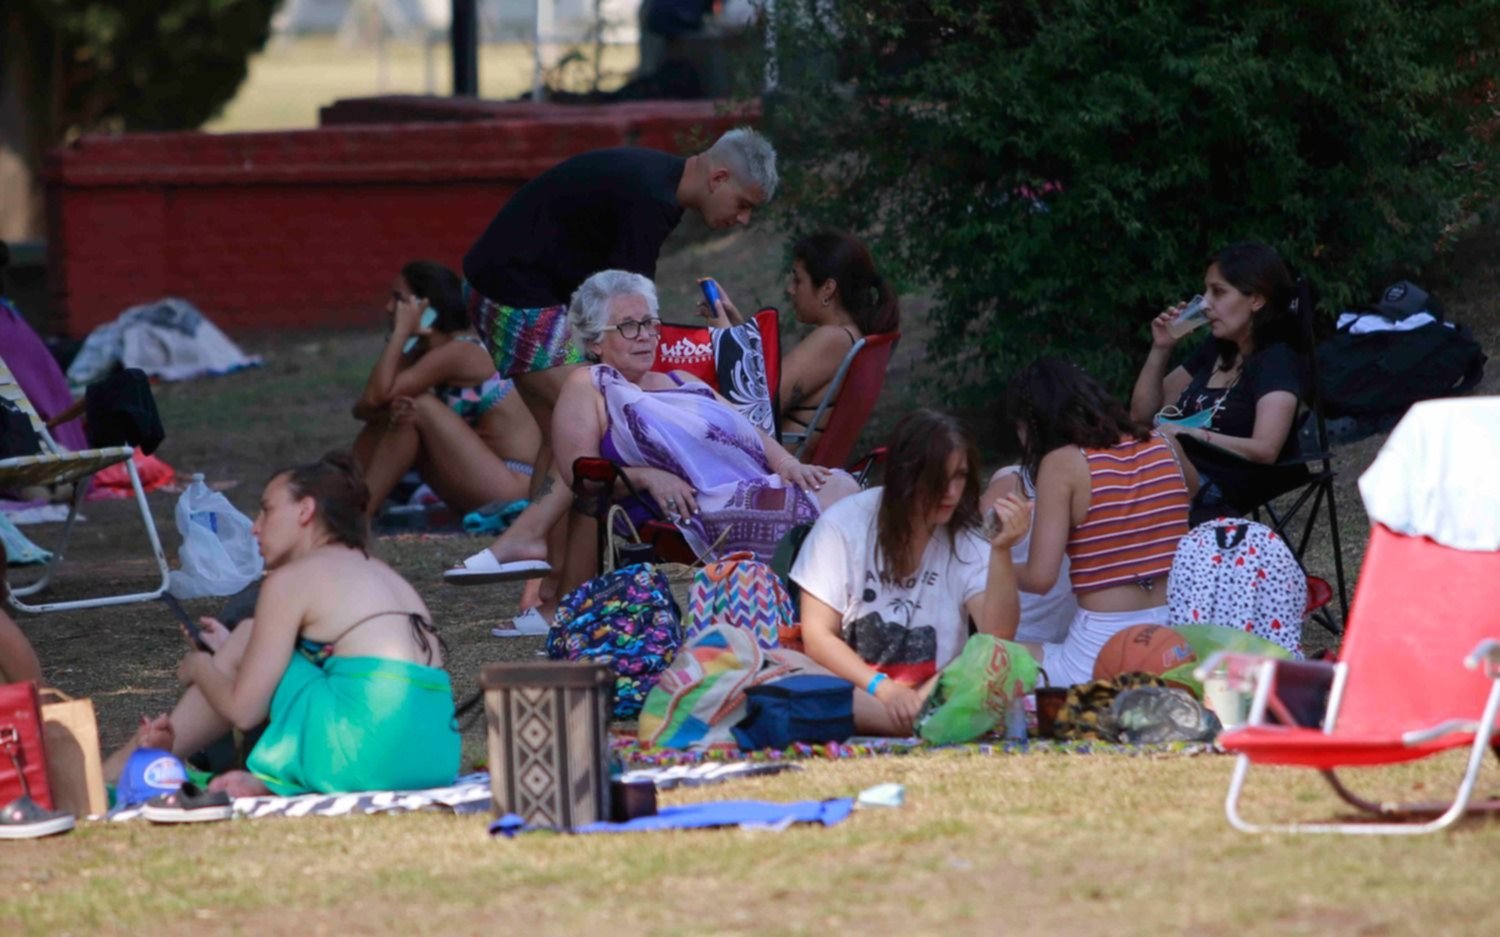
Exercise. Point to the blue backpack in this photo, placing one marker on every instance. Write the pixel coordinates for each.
(627, 619)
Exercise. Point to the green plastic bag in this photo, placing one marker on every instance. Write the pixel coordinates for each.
(1206, 639)
(973, 691)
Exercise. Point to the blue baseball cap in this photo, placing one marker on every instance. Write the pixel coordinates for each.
(150, 771)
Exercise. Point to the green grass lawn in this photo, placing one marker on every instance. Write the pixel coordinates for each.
(1064, 844)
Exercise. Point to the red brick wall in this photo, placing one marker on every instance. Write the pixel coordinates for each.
(304, 229)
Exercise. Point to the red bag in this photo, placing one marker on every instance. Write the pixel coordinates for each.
(23, 758)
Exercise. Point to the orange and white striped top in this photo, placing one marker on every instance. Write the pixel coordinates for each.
(1138, 510)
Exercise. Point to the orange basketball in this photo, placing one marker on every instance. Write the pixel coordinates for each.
(1151, 649)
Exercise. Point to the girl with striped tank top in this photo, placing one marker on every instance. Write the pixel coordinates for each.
(1110, 494)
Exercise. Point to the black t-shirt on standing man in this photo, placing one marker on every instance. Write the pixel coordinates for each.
(604, 210)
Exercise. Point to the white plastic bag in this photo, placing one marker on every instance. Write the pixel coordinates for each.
(219, 556)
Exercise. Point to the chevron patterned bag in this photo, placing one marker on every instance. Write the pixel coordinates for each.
(740, 592)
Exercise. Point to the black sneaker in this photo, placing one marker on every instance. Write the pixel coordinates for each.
(189, 804)
(24, 818)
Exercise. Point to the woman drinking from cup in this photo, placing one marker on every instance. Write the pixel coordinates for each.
(1239, 391)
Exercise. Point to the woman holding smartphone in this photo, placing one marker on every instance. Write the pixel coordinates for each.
(835, 288)
(433, 402)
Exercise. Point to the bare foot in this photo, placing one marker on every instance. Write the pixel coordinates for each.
(239, 784)
(509, 548)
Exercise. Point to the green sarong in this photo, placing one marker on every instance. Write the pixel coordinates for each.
(358, 724)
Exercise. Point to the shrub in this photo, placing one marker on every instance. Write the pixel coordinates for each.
(137, 65)
(1058, 170)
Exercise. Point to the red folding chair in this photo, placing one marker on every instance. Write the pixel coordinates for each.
(694, 349)
(852, 394)
(1418, 674)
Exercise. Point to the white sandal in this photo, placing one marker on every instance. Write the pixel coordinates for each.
(482, 568)
(528, 624)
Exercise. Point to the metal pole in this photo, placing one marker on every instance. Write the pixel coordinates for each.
(464, 35)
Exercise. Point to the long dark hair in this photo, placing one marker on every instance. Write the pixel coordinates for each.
(863, 292)
(443, 291)
(1255, 269)
(1058, 404)
(341, 495)
(916, 478)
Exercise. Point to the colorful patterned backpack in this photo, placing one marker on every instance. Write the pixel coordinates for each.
(627, 619)
(1239, 574)
(741, 592)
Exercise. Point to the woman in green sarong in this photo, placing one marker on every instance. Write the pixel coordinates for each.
(341, 656)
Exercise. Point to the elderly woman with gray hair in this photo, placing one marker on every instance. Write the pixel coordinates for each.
(708, 469)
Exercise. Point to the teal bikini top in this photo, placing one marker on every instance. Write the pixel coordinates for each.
(421, 631)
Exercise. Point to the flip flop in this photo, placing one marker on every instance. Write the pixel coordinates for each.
(528, 624)
(482, 568)
(189, 804)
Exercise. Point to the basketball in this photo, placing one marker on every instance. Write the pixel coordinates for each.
(1153, 649)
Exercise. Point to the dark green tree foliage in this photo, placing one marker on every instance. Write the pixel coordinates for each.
(149, 64)
(1059, 170)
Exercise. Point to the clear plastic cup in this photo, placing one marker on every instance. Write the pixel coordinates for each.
(1194, 314)
(1228, 703)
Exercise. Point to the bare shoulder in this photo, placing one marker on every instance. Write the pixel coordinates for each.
(1065, 463)
(1006, 479)
(827, 338)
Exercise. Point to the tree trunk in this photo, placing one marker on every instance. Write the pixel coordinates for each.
(26, 112)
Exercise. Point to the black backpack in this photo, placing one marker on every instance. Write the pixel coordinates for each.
(17, 436)
(1382, 373)
(121, 411)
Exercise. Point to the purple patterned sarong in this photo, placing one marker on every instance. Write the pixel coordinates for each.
(689, 432)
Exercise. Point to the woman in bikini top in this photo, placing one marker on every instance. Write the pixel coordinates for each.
(324, 599)
(471, 439)
(834, 288)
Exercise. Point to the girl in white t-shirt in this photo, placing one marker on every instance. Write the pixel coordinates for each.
(891, 576)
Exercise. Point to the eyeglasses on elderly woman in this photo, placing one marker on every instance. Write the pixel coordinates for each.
(630, 329)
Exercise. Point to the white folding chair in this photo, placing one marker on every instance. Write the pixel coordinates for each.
(55, 465)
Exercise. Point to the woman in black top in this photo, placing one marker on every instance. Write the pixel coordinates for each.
(1246, 376)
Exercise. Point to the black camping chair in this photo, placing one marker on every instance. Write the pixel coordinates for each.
(1254, 489)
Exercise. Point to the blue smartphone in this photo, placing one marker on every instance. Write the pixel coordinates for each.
(710, 290)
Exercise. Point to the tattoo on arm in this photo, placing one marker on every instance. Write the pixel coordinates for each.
(548, 482)
(798, 395)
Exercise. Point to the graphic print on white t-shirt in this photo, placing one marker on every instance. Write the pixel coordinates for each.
(891, 637)
(907, 628)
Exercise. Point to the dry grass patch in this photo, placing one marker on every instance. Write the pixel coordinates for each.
(985, 844)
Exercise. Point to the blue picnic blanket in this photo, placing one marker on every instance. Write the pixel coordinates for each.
(749, 814)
